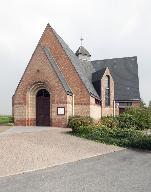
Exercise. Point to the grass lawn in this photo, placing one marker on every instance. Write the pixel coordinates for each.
(6, 120)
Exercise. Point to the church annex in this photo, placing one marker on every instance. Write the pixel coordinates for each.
(59, 83)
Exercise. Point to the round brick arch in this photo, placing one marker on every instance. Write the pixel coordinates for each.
(31, 101)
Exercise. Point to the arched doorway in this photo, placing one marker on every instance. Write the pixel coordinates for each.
(42, 108)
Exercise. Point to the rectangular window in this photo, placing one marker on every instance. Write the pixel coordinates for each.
(125, 104)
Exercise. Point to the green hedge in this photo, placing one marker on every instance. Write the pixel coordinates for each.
(116, 136)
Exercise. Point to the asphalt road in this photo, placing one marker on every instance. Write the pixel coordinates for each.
(123, 171)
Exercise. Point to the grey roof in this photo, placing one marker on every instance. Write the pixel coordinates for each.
(82, 51)
(125, 74)
(96, 76)
(87, 68)
(57, 71)
(78, 64)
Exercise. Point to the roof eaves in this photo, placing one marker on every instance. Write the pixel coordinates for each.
(57, 71)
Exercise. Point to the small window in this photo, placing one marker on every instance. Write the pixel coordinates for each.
(107, 91)
(97, 102)
(125, 104)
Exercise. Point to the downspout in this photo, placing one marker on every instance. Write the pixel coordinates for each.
(26, 109)
(73, 105)
(113, 108)
(29, 112)
(101, 108)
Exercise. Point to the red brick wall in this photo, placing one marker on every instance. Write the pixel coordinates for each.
(39, 70)
(49, 40)
(46, 74)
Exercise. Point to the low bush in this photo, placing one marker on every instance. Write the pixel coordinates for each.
(141, 117)
(127, 121)
(76, 121)
(133, 118)
(124, 130)
(109, 121)
(117, 136)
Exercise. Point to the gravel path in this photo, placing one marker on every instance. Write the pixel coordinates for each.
(4, 128)
(27, 151)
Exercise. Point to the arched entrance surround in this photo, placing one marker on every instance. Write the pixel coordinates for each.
(38, 108)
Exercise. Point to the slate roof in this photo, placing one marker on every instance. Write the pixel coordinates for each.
(96, 76)
(82, 51)
(57, 71)
(87, 68)
(78, 64)
(123, 70)
(125, 75)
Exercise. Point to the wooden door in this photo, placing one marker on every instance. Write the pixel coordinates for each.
(43, 108)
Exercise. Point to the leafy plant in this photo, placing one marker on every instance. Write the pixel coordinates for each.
(117, 136)
(127, 121)
(76, 121)
(140, 116)
(109, 121)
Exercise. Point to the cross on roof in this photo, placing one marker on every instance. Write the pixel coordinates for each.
(81, 40)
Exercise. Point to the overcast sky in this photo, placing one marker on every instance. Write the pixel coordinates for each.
(110, 28)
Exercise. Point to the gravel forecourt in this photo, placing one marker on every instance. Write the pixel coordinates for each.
(26, 149)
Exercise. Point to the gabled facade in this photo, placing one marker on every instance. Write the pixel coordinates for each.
(58, 83)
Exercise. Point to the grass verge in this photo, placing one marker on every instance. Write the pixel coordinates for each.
(6, 120)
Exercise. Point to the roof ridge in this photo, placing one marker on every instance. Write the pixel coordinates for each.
(115, 58)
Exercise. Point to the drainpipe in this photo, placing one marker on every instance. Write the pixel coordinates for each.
(101, 109)
(114, 108)
(73, 105)
(29, 111)
(26, 109)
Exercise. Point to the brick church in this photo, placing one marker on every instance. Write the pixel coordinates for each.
(58, 83)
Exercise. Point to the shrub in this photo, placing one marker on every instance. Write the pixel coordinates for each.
(109, 121)
(140, 116)
(117, 136)
(76, 121)
(127, 121)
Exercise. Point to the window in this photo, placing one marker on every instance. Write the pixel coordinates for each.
(125, 104)
(107, 91)
(97, 102)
